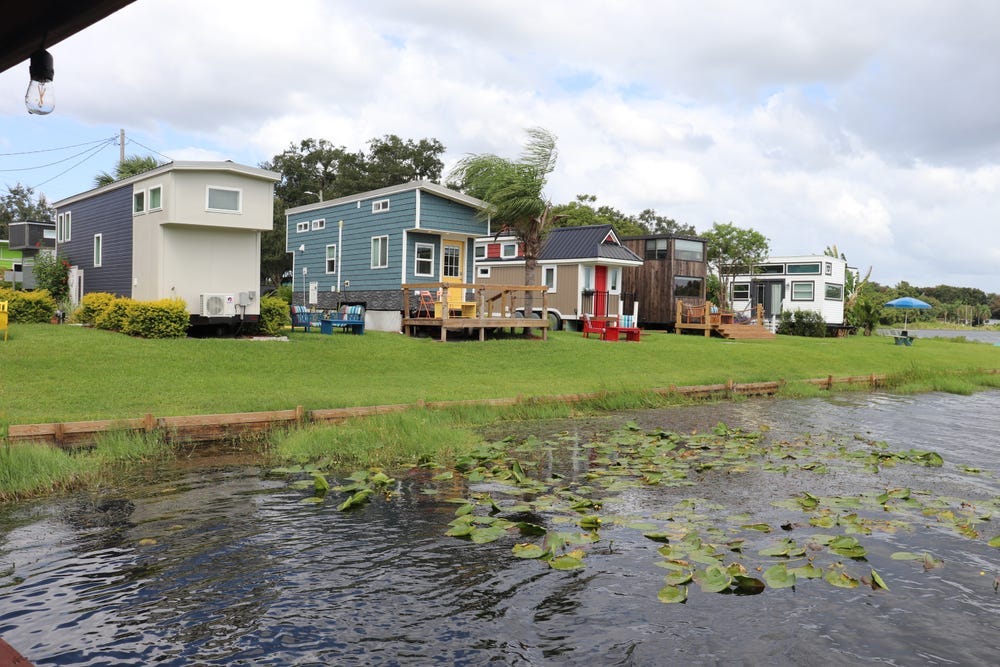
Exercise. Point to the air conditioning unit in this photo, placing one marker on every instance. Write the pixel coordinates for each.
(218, 305)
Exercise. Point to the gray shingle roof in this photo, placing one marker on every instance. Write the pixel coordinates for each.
(565, 243)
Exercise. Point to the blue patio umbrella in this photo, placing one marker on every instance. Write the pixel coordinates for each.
(907, 302)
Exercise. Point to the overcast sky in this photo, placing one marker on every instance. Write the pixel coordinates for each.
(872, 126)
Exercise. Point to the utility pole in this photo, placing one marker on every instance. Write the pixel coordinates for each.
(121, 146)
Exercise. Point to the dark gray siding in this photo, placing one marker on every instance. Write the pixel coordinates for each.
(108, 214)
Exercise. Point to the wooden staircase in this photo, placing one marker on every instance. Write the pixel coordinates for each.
(743, 331)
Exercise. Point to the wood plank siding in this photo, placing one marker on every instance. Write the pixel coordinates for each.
(653, 282)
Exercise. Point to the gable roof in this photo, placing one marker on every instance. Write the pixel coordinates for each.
(592, 242)
(426, 186)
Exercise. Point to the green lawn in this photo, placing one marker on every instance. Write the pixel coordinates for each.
(66, 373)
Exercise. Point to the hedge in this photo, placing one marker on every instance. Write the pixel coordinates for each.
(33, 307)
(166, 318)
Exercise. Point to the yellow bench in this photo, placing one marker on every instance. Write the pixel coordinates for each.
(3, 318)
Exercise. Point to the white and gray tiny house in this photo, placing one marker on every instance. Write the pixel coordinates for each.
(790, 283)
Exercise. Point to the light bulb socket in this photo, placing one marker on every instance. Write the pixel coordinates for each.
(41, 67)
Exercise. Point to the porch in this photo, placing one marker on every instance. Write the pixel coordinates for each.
(445, 306)
(706, 317)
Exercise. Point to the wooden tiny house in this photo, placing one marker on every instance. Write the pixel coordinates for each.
(673, 269)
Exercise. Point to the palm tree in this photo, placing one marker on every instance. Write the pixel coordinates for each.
(130, 166)
(513, 192)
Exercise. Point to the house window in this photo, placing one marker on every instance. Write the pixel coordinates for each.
(452, 266)
(64, 224)
(811, 267)
(741, 291)
(829, 268)
(98, 250)
(138, 202)
(156, 198)
(380, 252)
(802, 290)
(834, 292)
(549, 277)
(690, 251)
(331, 258)
(423, 260)
(484, 272)
(687, 286)
(614, 279)
(480, 251)
(301, 226)
(318, 224)
(508, 251)
(224, 200)
(656, 248)
(770, 269)
(380, 206)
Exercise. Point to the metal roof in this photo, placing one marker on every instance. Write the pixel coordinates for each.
(597, 242)
(427, 186)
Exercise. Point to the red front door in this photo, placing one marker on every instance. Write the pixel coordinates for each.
(600, 291)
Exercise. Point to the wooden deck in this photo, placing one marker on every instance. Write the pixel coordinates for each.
(493, 307)
(701, 318)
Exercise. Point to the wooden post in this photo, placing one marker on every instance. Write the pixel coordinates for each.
(149, 422)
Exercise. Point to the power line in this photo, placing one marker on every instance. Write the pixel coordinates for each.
(94, 152)
(133, 141)
(65, 159)
(61, 148)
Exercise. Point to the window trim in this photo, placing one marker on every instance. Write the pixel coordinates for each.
(383, 242)
(694, 256)
(149, 198)
(828, 267)
(546, 268)
(64, 227)
(222, 188)
(484, 271)
(827, 297)
(301, 226)
(139, 202)
(800, 283)
(480, 251)
(503, 249)
(329, 259)
(317, 225)
(417, 260)
(815, 268)
(380, 206)
(98, 258)
(744, 287)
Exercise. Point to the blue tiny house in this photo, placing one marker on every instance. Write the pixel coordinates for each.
(362, 248)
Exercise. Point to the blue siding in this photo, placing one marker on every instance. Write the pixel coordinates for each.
(361, 225)
(108, 214)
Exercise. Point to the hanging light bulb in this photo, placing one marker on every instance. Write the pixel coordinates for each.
(40, 98)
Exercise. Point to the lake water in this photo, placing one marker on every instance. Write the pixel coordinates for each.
(221, 564)
(978, 335)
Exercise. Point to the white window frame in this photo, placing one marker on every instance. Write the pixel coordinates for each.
(484, 271)
(98, 250)
(829, 268)
(222, 188)
(417, 261)
(139, 202)
(64, 224)
(800, 283)
(302, 226)
(149, 198)
(614, 278)
(329, 258)
(503, 250)
(380, 206)
(382, 242)
(744, 292)
(480, 251)
(319, 224)
(553, 270)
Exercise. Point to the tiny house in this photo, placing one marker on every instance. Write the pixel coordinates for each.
(17, 255)
(673, 269)
(790, 283)
(581, 266)
(185, 230)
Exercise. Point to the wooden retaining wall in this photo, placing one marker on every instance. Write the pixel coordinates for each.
(219, 427)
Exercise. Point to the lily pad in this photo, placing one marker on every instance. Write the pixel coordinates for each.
(672, 594)
(778, 576)
(566, 562)
(528, 550)
(713, 579)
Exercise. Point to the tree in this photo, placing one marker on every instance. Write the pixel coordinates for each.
(513, 192)
(20, 205)
(316, 169)
(853, 286)
(733, 251)
(132, 165)
(581, 213)
(658, 224)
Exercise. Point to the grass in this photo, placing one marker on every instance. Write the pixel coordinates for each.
(63, 373)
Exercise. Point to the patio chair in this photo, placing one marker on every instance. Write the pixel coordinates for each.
(426, 307)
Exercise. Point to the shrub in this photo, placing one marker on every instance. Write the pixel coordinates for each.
(52, 274)
(807, 323)
(92, 306)
(285, 294)
(29, 307)
(113, 317)
(274, 315)
(166, 318)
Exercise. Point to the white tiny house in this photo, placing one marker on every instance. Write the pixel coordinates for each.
(790, 283)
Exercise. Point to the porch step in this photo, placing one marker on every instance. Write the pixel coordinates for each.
(744, 332)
